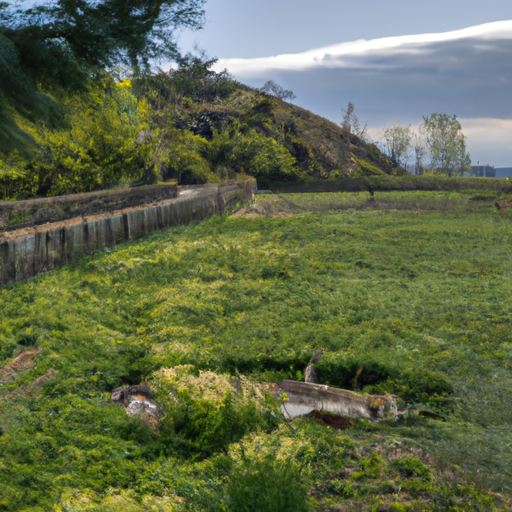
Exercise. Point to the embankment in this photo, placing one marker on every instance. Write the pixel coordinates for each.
(27, 252)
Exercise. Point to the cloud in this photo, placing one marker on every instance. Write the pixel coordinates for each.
(354, 54)
(400, 79)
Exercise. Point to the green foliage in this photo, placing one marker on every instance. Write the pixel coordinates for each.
(251, 153)
(182, 158)
(267, 484)
(102, 34)
(207, 412)
(446, 145)
(421, 305)
(365, 168)
(412, 467)
(98, 149)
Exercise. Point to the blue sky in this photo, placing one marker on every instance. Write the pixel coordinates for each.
(458, 62)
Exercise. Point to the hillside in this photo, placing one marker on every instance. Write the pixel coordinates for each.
(191, 124)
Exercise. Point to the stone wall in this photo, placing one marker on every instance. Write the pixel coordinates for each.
(30, 251)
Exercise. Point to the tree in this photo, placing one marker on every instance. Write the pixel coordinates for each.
(103, 33)
(398, 143)
(351, 122)
(62, 44)
(276, 90)
(446, 144)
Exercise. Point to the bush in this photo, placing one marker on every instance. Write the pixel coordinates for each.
(365, 168)
(412, 467)
(183, 160)
(267, 485)
(208, 411)
(251, 153)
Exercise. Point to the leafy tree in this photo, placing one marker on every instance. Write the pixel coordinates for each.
(276, 90)
(196, 80)
(446, 144)
(398, 140)
(103, 33)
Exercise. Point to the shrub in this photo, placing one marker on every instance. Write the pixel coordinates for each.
(208, 411)
(182, 159)
(412, 467)
(251, 153)
(365, 168)
(267, 484)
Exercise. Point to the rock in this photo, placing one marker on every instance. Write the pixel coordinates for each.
(138, 401)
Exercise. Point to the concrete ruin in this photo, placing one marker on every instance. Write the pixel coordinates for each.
(27, 252)
(137, 401)
(303, 398)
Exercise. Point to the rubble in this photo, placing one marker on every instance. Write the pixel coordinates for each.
(303, 398)
(137, 401)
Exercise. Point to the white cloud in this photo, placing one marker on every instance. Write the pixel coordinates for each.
(488, 140)
(344, 54)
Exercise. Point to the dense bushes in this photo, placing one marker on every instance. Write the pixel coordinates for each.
(205, 412)
(267, 484)
(250, 153)
(100, 146)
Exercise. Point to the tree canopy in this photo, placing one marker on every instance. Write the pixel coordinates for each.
(104, 32)
(446, 144)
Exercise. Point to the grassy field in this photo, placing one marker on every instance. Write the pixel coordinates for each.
(407, 293)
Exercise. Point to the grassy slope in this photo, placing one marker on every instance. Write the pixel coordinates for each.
(319, 145)
(404, 291)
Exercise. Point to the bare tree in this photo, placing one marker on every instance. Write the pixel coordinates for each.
(351, 122)
(276, 90)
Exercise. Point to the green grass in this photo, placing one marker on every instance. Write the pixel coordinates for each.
(419, 299)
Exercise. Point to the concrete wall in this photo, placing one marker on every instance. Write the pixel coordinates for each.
(27, 252)
(18, 214)
(305, 397)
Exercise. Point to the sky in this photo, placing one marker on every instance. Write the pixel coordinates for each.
(396, 60)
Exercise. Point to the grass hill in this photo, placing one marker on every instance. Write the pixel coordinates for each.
(190, 124)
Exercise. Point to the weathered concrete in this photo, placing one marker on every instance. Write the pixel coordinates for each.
(30, 251)
(305, 397)
(19, 214)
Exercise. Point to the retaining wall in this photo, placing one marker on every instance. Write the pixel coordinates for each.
(19, 214)
(30, 251)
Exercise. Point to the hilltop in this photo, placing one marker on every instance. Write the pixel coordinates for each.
(192, 125)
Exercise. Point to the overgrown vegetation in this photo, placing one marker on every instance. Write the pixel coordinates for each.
(191, 124)
(400, 301)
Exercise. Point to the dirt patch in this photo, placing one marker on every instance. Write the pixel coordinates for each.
(267, 208)
(25, 361)
(504, 205)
